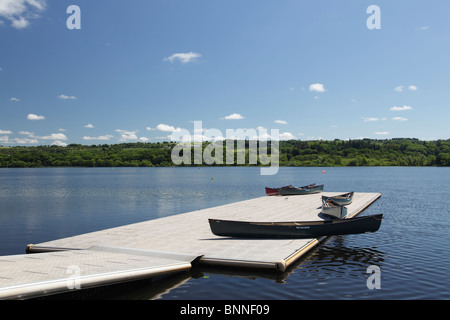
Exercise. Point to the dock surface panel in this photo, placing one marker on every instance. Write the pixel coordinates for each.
(32, 275)
(173, 242)
(189, 233)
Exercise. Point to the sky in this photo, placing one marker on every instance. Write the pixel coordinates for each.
(144, 70)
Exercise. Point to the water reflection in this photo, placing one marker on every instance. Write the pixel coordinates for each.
(335, 256)
(150, 289)
(330, 260)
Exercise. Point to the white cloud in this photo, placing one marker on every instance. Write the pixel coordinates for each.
(189, 138)
(317, 87)
(4, 139)
(54, 136)
(33, 116)
(64, 97)
(89, 126)
(183, 57)
(410, 87)
(14, 99)
(19, 12)
(234, 116)
(280, 121)
(34, 139)
(399, 119)
(267, 136)
(126, 135)
(5, 132)
(372, 119)
(313, 138)
(59, 143)
(24, 140)
(286, 136)
(381, 132)
(105, 137)
(404, 108)
(144, 139)
(20, 23)
(166, 128)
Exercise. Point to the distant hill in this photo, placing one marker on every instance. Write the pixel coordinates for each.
(364, 152)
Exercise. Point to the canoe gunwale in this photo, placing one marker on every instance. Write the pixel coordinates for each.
(298, 223)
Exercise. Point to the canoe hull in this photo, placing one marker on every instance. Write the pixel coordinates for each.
(337, 211)
(300, 191)
(271, 191)
(295, 230)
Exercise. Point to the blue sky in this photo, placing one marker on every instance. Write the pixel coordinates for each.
(139, 70)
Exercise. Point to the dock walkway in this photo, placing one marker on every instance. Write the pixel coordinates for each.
(166, 245)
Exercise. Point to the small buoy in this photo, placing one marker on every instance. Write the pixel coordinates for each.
(323, 171)
(212, 178)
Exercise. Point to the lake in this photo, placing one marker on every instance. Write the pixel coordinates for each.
(411, 249)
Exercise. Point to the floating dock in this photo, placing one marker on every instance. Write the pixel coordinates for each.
(163, 246)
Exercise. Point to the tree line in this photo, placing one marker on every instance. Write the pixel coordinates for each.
(361, 152)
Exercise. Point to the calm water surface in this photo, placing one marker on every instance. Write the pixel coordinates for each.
(411, 247)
